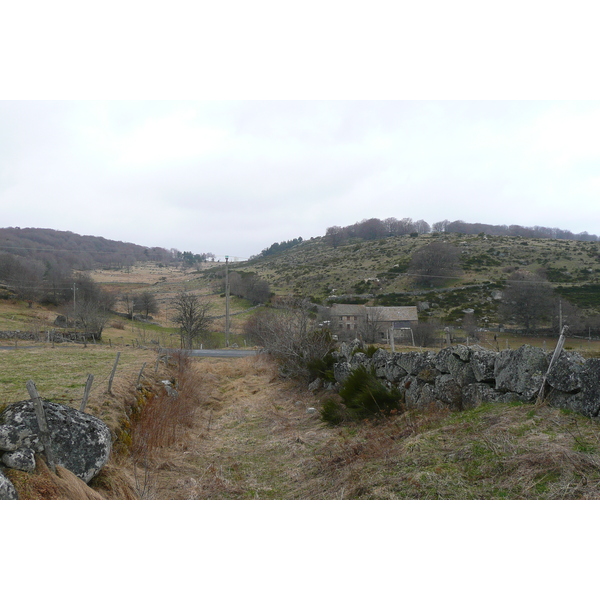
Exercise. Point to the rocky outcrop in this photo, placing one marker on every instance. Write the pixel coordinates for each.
(462, 377)
(80, 442)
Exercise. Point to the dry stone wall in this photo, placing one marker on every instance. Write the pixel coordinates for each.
(463, 377)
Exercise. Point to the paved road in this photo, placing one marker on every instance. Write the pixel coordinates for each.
(233, 353)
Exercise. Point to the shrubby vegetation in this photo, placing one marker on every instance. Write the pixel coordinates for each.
(364, 396)
(288, 333)
(278, 247)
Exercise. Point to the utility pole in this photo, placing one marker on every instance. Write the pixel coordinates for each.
(227, 301)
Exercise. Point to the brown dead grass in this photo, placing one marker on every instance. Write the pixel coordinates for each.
(250, 439)
(42, 484)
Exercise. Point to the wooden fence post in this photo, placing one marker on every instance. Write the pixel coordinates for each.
(557, 351)
(42, 424)
(140, 375)
(112, 375)
(86, 392)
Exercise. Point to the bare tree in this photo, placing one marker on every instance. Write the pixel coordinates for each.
(435, 263)
(440, 226)
(290, 334)
(334, 236)
(425, 332)
(527, 300)
(249, 286)
(191, 314)
(422, 226)
(145, 303)
(372, 327)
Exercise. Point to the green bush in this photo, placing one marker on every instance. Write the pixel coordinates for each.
(364, 396)
(322, 367)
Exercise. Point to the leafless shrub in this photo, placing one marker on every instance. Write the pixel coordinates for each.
(425, 332)
(288, 333)
(164, 413)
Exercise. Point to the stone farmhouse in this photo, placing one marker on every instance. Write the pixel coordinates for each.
(372, 323)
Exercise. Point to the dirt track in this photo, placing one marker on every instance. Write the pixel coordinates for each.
(252, 438)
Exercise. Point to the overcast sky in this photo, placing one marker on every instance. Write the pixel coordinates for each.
(234, 176)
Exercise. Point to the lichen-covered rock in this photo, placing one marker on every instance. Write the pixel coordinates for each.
(425, 397)
(448, 391)
(482, 362)
(475, 394)
(414, 362)
(565, 375)
(521, 371)
(461, 352)
(379, 361)
(587, 401)
(315, 385)
(341, 370)
(359, 358)
(22, 459)
(7, 489)
(440, 362)
(464, 377)
(428, 375)
(348, 349)
(13, 438)
(393, 371)
(462, 372)
(80, 442)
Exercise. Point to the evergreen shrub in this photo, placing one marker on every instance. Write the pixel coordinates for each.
(364, 396)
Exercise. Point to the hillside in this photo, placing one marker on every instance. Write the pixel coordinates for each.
(378, 271)
(74, 250)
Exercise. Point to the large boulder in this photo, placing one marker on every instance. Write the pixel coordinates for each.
(341, 371)
(80, 442)
(415, 362)
(448, 391)
(565, 375)
(461, 371)
(475, 394)
(521, 371)
(440, 361)
(482, 362)
(379, 361)
(393, 371)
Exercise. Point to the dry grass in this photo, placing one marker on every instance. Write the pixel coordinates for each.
(42, 484)
(253, 439)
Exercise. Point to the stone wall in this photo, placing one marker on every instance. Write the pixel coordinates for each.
(462, 377)
(49, 336)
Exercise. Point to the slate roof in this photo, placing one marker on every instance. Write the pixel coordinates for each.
(395, 313)
(382, 313)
